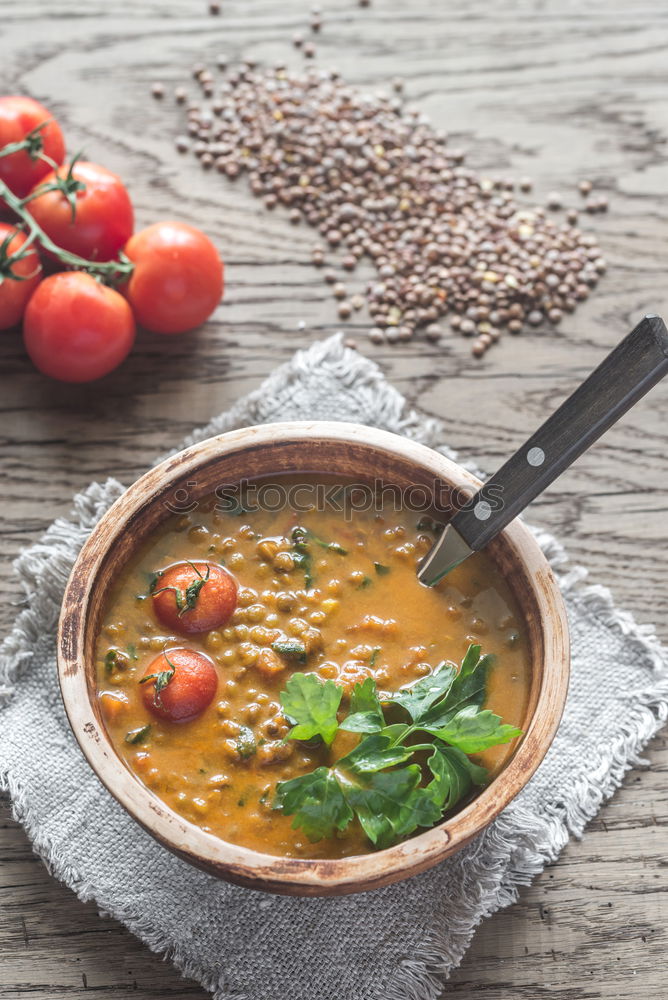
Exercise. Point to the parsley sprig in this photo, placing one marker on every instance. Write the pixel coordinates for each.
(402, 774)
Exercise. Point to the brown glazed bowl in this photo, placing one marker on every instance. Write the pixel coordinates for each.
(350, 450)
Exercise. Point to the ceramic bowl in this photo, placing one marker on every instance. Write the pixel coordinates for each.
(350, 450)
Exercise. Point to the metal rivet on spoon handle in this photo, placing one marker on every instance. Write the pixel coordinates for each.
(628, 372)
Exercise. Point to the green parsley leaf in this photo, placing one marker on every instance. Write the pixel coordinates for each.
(375, 752)
(162, 678)
(332, 546)
(186, 599)
(137, 735)
(311, 705)
(380, 569)
(473, 731)
(246, 743)
(317, 803)
(110, 660)
(397, 731)
(366, 713)
(454, 774)
(291, 649)
(301, 555)
(193, 589)
(468, 688)
(116, 660)
(419, 697)
(380, 782)
(385, 804)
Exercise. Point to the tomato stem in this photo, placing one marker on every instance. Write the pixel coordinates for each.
(7, 259)
(111, 272)
(33, 144)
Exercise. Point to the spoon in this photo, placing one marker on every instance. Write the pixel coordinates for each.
(638, 362)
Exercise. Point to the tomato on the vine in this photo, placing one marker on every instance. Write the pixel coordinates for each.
(19, 277)
(18, 117)
(76, 329)
(102, 220)
(177, 281)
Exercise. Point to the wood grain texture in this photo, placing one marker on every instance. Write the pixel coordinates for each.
(556, 90)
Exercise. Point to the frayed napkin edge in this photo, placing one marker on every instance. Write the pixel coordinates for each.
(422, 976)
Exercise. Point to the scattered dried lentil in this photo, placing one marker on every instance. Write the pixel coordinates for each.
(379, 182)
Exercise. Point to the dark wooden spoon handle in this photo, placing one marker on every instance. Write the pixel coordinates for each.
(628, 372)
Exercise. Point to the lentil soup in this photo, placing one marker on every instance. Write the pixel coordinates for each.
(219, 610)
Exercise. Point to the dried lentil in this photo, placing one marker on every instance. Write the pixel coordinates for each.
(380, 182)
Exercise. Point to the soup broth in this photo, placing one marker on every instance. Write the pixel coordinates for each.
(344, 605)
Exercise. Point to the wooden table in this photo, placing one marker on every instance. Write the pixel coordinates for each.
(556, 90)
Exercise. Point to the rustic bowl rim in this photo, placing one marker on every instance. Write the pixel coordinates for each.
(243, 865)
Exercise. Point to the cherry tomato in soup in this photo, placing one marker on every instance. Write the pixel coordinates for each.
(178, 277)
(192, 597)
(19, 278)
(76, 329)
(18, 117)
(179, 684)
(103, 219)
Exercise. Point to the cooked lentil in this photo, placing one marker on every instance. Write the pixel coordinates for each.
(350, 607)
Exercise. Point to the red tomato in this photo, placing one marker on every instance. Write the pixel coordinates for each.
(182, 684)
(15, 291)
(76, 329)
(194, 597)
(178, 277)
(18, 117)
(103, 220)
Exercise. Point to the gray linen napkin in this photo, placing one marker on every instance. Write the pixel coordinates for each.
(394, 943)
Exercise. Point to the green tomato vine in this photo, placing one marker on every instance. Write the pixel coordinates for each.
(110, 272)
